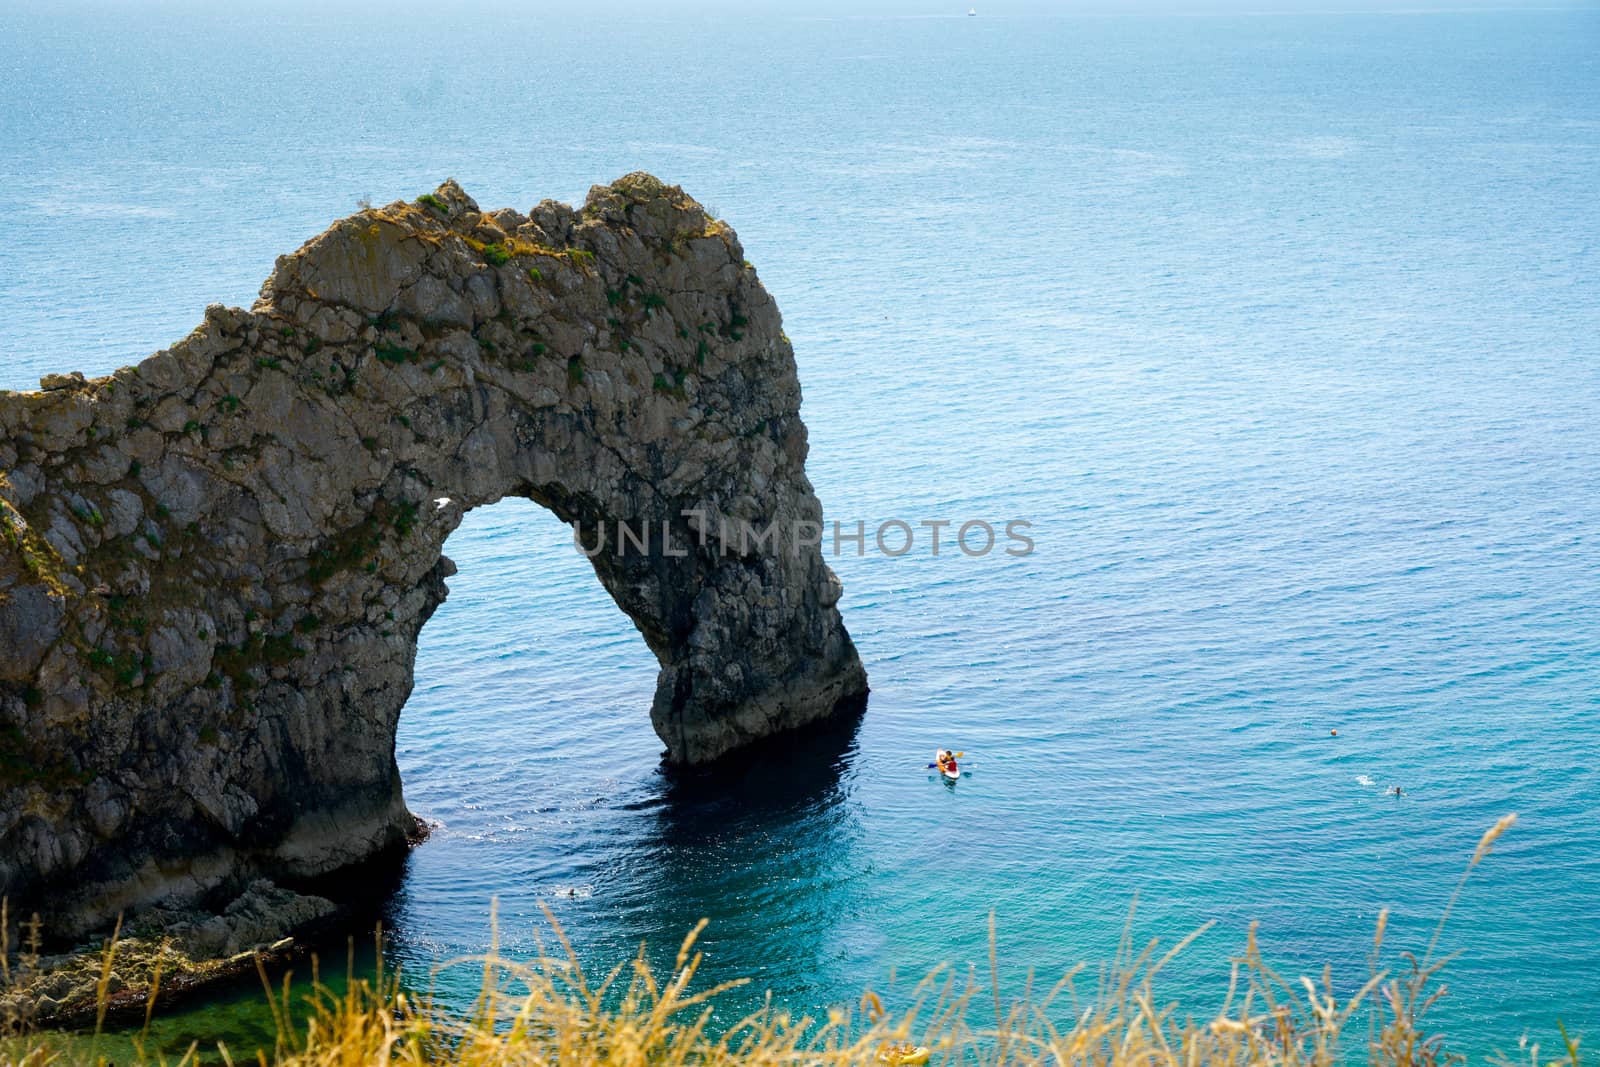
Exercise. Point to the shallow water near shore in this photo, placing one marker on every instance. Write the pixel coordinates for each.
(1281, 331)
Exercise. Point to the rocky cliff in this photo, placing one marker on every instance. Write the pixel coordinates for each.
(214, 566)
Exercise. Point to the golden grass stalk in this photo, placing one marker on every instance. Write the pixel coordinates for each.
(546, 1012)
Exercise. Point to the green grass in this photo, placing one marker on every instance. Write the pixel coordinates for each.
(20, 765)
(279, 649)
(429, 200)
(393, 354)
(90, 516)
(123, 668)
(671, 384)
(405, 518)
(348, 549)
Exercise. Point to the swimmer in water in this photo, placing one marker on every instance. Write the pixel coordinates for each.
(1396, 792)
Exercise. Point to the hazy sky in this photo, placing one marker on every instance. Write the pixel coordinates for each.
(802, 8)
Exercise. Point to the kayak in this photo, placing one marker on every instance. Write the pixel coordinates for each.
(953, 774)
(907, 1055)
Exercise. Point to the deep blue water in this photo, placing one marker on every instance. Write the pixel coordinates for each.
(1282, 331)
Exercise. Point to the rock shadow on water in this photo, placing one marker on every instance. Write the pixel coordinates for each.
(770, 849)
(773, 776)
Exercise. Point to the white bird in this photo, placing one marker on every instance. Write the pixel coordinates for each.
(442, 503)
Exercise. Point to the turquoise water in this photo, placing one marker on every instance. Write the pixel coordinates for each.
(1283, 331)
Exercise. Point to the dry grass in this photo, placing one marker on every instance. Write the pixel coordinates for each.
(547, 1012)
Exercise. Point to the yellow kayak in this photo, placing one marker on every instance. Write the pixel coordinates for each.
(906, 1055)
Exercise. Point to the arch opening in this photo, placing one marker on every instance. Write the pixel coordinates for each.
(526, 673)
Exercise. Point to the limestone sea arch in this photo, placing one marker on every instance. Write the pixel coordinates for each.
(214, 566)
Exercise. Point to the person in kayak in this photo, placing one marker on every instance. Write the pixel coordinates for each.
(947, 761)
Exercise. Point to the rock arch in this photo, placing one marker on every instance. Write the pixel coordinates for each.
(216, 564)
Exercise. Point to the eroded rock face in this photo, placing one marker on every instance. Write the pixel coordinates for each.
(215, 565)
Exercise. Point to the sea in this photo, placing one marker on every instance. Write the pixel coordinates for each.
(1281, 331)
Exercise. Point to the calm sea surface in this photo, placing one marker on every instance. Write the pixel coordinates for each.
(1284, 333)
